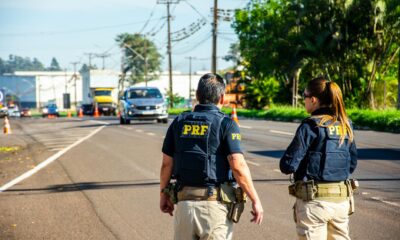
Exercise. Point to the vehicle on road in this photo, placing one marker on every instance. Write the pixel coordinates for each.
(143, 103)
(26, 112)
(102, 99)
(13, 111)
(50, 109)
(87, 109)
(3, 112)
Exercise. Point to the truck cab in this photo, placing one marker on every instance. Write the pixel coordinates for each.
(102, 98)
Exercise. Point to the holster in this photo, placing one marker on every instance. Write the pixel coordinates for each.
(235, 197)
(303, 190)
(172, 191)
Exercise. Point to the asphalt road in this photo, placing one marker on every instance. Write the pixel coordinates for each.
(103, 180)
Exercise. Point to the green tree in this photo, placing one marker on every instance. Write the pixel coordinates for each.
(141, 57)
(54, 66)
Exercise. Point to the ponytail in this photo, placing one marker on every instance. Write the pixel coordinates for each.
(329, 94)
(337, 106)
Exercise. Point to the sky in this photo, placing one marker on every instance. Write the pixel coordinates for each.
(69, 29)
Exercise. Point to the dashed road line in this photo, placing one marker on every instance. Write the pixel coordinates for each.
(281, 132)
(277, 170)
(384, 201)
(139, 130)
(252, 163)
(246, 127)
(46, 162)
(151, 134)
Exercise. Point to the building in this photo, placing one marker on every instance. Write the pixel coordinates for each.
(36, 89)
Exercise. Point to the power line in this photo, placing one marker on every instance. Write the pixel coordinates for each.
(148, 20)
(70, 31)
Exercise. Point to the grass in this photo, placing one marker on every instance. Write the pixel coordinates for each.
(8, 149)
(379, 120)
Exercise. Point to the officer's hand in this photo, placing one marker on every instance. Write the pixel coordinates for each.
(257, 212)
(166, 205)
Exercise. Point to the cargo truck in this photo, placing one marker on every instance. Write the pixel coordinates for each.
(100, 90)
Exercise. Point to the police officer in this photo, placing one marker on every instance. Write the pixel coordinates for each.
(201, 150)
(322, 155)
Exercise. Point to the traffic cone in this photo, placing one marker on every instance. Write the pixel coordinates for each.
(96, 112)
(69, 114)
(80, 113)
(7, 127)
(234, 116)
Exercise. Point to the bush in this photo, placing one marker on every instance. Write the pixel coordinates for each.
(380, 120)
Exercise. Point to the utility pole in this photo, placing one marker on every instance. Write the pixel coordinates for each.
(75, 77)
(168, 3)
(122, 79)
(90, 55)
(190, 78)
(103, 56)
(145, 61)
(214, 39)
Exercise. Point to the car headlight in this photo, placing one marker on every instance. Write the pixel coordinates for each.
(132, 106)
(56, 110)
(45, 110)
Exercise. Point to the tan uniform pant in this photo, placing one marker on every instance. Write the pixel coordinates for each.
(322, 220)
(202, 220)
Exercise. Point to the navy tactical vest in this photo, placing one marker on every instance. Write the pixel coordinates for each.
(198, 160)
(327, 159)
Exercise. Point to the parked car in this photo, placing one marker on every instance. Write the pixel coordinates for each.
(143, 103)
(50, 109)
(13, 111)
(3, 112)
(26, 112)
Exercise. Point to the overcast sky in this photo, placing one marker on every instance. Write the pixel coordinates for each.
(66, 29)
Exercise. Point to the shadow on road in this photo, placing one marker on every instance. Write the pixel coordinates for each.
(87, 186)
(363, 154)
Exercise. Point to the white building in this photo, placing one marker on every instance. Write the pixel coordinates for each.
(35, 89)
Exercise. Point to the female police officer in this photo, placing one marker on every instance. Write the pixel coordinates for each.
(322, 155)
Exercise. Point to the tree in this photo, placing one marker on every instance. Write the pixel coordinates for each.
(141, 57)
(17, 63)
(296, 40)
(54, 66)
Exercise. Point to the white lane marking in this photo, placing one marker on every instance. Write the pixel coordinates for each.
(247, 127)
(281, 132)
(252, 163)
(364, 193)
(151, 134)
(387, 202)
(277, 170)
(46, 162)
(129, 128)
(139, 130)
(101, 122)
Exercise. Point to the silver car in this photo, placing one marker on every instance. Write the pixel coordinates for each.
(143, 103)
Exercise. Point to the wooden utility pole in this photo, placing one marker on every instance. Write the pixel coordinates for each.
(214, 39)
(90, 55)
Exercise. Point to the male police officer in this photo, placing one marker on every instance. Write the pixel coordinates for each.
(200, 150)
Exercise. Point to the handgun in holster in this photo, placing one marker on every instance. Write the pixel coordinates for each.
(172, 191)
(236, 208)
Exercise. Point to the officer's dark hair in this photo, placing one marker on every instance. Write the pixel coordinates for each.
(210, 88)
(329, 94)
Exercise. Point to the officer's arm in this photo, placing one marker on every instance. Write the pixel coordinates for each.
(241, 172)
(242, 175)
(297, 149)
(353, 156)
(166, 170)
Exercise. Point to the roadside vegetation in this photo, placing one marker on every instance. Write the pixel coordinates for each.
(379, 120)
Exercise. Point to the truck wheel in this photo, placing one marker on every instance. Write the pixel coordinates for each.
(128, 121)
(165, 120)
(121, 120)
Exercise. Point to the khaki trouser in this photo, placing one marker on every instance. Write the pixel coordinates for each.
(202, 220)
(322, 220)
